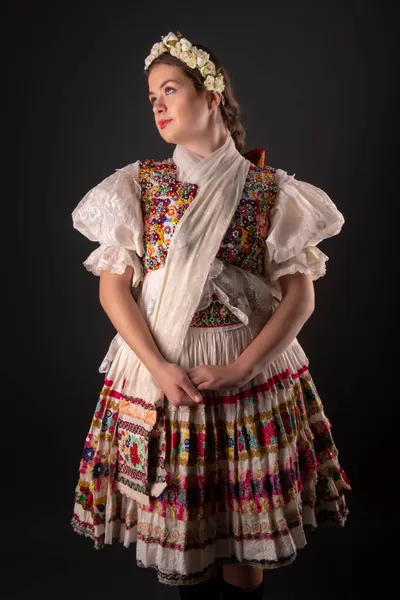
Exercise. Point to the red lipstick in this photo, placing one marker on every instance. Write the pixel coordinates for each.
(164, 123)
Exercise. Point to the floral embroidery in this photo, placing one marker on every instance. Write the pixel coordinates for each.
(138, 408)
(135, 458)
(164, 200)
(244, 242)
(215, 315)
(309, 475)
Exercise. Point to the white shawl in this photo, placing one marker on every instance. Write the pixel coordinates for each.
(221, 178)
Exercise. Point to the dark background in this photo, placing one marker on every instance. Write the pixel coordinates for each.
(317, 86)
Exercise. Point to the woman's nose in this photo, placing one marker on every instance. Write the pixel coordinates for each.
(158, 107)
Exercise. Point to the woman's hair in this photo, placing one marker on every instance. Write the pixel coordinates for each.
(230, 110)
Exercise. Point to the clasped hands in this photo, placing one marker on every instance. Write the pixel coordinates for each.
(182, 386)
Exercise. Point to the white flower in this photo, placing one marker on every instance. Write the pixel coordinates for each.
(185, 44)
(156, 49)
(202, 58)
(219, 84)
(170, 39)
(189, 58)
(176, 50)
(193, 57)
(215, 84)
(210, 82)
(148, 61)
(208, 69)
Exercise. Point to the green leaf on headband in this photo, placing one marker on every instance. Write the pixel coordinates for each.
(218, 71)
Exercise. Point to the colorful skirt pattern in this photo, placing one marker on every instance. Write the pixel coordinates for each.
(248, 469)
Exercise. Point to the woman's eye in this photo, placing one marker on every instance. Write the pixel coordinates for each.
(168, 90)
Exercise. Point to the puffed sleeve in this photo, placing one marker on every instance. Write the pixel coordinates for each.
(111, 215)
(302, 216)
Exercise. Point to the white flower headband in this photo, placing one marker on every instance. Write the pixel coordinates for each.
(193, 57)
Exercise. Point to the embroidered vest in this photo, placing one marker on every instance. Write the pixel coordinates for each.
(164, 200)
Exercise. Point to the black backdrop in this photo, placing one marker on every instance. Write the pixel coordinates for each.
(316, 82)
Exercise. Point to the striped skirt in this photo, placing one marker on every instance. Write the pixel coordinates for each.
(248, 469)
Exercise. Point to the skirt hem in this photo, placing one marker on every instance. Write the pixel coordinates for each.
(336, 521)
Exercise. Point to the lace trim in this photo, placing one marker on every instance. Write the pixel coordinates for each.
(114, 259)
(310, 261)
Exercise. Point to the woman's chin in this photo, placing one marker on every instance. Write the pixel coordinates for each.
(168, 136)
(172, 137)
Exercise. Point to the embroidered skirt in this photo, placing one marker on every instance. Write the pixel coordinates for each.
(248, 469)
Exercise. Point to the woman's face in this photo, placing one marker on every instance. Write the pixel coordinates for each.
(180, 112)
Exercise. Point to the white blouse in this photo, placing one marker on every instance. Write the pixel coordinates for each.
(111, 215)
(302, 216)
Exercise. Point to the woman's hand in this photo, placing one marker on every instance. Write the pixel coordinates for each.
(218, 377)
(177, 386)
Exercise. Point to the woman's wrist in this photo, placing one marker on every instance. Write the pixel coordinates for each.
(157, 365)
(247, 371)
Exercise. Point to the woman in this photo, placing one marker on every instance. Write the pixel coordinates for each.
(209, 446)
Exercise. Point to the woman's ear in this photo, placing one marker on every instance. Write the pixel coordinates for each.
(214, 100)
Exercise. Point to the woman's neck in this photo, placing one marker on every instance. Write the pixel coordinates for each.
(211, 141)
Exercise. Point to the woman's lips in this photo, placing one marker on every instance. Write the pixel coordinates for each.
(164, 123)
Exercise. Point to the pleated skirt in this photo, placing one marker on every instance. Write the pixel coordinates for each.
(249, 469)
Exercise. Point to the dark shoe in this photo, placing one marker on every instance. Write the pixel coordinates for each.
(233, 592)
